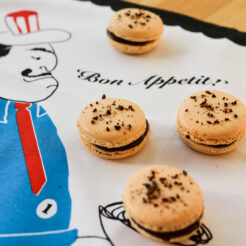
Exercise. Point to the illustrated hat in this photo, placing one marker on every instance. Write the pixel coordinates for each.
(24, 29)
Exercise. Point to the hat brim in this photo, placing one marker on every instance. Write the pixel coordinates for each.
(43, 36)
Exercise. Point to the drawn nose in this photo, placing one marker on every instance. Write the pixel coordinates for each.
(26, 72)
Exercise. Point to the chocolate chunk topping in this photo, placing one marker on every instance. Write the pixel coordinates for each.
(107, 129)
(226, 104)
(95, 118)
(235, 116)
(94, 110)
(234, 103)
(175, 176)
(186, 110)
(187, 136)
(208, 92)
(152, 175)
(165, 200)
(108, 112)
(162, 180)
(173, 199)
(131, 108)
(93, 122)
(103, 96)
(184, 172)
(226, 119)
(117, 128)
(120, 107)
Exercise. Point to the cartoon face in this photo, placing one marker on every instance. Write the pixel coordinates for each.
(26, 72)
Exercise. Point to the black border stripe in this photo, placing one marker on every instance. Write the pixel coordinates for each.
(186, 22)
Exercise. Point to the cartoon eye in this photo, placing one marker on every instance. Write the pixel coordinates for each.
(36, 58)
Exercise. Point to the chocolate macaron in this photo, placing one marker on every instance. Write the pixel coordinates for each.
(113, 128)
(164, 203)
(134, 31)
(212, 122)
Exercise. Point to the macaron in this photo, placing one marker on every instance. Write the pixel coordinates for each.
(113, 128)
(164, 203)
(212, 122)
(134, 31)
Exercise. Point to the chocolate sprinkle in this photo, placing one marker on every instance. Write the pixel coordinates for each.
(117, 128)
(131, 108)
(120, 107)
(175, 176)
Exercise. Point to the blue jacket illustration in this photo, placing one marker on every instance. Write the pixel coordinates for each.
(42, 219)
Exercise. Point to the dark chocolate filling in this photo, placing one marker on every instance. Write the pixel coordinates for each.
(128, 146)
(172, 234)
(216, 146)
(219, 145)
(124, 41)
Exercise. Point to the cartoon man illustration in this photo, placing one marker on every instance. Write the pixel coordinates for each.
(35, 205)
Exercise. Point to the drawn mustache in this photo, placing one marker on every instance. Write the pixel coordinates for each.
(28, 71)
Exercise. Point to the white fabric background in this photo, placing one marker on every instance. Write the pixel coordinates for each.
(94, 181)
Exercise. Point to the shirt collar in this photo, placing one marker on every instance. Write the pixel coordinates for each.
(4, 104)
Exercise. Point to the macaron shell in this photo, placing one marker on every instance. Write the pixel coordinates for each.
(133, 49)
(136, 25)
(131, 120)
(167, 216)
(116, 154)
(218, 121)
(209, 149)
